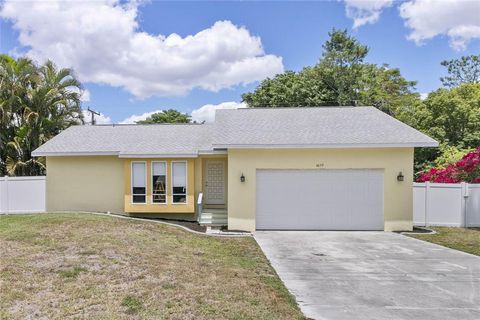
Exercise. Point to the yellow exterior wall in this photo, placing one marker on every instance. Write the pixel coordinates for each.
(85, 184)
(169, 207)
(397, 195)
(102, 184)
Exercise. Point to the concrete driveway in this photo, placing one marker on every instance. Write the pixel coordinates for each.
(373, 275)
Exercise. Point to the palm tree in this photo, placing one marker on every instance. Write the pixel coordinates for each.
(16, 77)
(36, 103)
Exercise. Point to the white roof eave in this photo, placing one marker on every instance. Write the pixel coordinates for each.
(326, 145)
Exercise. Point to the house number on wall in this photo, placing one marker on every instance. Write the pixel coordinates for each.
(320, 165)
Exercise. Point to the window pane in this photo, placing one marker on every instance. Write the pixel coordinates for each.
(177, 190)
(138, 175)
(158, 184)
(159, 198)
(179, 174)
(138, 199)
(159, 169)
(139, 186)
(137, 190)
(179, 198)
(179, 183)
(158, 189)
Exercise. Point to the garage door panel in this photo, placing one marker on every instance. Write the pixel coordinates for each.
(320, 199)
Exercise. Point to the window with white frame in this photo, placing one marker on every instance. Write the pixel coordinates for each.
(159, 182)
(139, 183)
(179, 182)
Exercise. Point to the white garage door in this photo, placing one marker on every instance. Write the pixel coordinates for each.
(320, 199)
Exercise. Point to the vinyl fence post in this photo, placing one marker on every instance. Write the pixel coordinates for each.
(427, 190)
(6, 195)
(465, 187)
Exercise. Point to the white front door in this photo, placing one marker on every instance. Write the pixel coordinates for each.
(215, 182)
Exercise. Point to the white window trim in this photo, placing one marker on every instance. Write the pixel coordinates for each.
(131, 184)
(186, 183)
(166, 183)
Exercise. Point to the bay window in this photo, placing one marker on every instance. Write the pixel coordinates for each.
(159, 182)
(179, 182)
(139, 182)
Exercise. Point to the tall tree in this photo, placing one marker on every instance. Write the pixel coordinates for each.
(341, 67)
(167, 116)
(36, 103)
(452, 117)
(341, 77)
(463, 70)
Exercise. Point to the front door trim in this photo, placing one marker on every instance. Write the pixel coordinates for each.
(215, 182)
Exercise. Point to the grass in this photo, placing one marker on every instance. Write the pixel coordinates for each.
(133, 304)
(71, 273)
(69, 266)
(463, 239)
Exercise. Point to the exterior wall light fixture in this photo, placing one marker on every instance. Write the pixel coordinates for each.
(400, 176)
(242, 178)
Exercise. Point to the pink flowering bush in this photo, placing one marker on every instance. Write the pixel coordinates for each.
(466, 169)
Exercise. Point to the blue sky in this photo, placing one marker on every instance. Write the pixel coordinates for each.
(136, 72)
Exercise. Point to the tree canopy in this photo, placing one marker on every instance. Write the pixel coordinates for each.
(36, 103)
(463, 70)
(167, 116)
(340, 78)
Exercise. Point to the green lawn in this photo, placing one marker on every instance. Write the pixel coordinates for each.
(467, 240)
(99, 267)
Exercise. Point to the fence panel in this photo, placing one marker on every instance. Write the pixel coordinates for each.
(419, 192)
(473, 205)
(22, 194)
(446, 204)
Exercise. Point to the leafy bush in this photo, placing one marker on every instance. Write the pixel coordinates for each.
(466, 169)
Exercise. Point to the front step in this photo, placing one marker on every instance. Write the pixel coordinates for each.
(214, 217)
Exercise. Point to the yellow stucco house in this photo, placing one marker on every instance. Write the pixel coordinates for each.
(331, 168)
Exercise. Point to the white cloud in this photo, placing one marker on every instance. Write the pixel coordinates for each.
(103, 42)
(365, 11)
(458, 20)
(85, 97)
(207, 112)
(99, 119)
(137, 117)
(423, 95)
(204, 113)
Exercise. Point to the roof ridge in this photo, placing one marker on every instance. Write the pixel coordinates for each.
(284, 108)
(140, 124)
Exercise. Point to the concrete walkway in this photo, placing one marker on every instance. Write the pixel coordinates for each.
(373, 275)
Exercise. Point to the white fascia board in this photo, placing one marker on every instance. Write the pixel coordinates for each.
(157, 155)
(209, 152)
(326, 146)
(69, 154)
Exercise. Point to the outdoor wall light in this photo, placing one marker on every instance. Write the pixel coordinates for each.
(400, 176)
(242, 178)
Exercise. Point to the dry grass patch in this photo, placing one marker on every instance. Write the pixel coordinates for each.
(69, 266)
(463, 239)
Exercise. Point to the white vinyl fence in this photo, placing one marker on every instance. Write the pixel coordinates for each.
(22, 194)
(446, 204)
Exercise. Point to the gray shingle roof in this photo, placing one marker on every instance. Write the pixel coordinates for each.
(130, 140)
(327, 127)
(314, 127)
